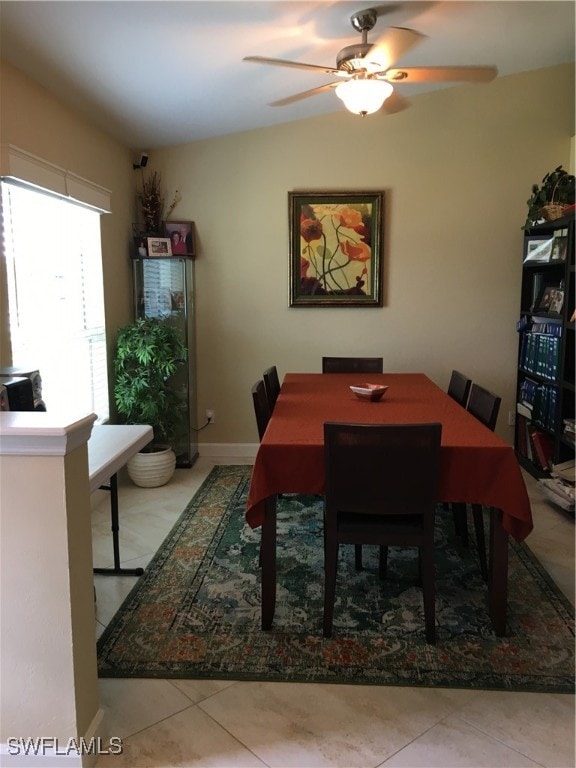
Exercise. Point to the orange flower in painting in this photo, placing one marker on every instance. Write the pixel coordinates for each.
(350, 218)
(311, 229)
(355, 251)
(304, 264)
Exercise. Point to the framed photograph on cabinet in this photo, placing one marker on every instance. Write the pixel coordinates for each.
(182, 239)
(335, 248)
(537, 249)
(140, 249)
(159, 247)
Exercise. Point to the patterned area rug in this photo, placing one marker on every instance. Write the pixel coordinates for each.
(195, 613)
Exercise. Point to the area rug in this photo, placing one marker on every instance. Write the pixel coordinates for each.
(195, 613)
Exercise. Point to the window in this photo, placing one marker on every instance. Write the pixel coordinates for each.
(55, 297)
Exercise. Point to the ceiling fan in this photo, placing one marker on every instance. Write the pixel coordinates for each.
(366, 71)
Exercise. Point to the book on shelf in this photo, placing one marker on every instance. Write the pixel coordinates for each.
(540, 353)
(524, 410)
(523, 442)
(543, 449)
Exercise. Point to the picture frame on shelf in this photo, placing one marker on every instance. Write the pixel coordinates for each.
(182, 237)
(560, 246)
(537, 249)
(335, 248)
(159, 247)
(140, 247)
(551, 300)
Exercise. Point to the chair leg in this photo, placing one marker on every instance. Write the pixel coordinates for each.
(429, 593)
(478, 515)
(460, 521)
(358, 556)
(330, 567)
(383, 561)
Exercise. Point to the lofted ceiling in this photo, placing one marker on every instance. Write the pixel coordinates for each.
(159, 73)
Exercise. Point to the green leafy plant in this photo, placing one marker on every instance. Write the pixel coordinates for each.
(557, 186)
(149, 353)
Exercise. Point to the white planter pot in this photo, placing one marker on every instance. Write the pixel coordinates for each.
(151, 470)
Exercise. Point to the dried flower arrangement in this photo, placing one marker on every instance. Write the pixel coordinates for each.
(152, 203)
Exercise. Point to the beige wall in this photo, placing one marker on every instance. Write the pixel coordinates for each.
(456, 167)
(30, 118)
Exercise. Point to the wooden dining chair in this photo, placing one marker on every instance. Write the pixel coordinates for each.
(261, 407)
(381, 489)
(484, 406)
(272, 385)
(459, 388)
(352, 365)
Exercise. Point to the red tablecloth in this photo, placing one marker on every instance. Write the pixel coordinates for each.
(477, 466)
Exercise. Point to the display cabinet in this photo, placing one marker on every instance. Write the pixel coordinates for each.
(545, 382)
(164, 287)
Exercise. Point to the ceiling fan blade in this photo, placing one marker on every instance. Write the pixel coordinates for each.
(303, 95)
(441, 74)
(396, 102)
(295, 64)
(394, 43)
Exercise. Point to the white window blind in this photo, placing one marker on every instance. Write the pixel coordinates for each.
(55, 294)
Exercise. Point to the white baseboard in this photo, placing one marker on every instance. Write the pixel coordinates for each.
(50, 752)
(241, 450)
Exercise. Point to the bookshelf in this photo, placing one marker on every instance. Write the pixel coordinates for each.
(545, 390)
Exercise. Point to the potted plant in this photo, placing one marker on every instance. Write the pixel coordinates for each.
(149, 353)
(552, 198)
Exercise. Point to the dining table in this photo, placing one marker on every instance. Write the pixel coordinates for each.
(476, 465)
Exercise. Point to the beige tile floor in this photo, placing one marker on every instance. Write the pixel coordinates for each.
(169, 723)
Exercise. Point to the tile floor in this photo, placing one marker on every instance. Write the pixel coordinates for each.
(169, 723)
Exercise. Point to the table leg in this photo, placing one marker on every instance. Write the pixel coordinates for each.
(498, 576)
(116, 570)
(268, 559)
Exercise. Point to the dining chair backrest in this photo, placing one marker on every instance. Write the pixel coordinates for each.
(381, 485)
(459, 387)
(484, 405)
(261, 407)
(352, 365)
(381, 469)
(272, 385)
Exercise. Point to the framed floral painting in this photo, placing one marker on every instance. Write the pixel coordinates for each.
(336, 248)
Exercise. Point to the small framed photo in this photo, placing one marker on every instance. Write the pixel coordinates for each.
(182, 237)
(140, 249)
(559, 247)
(537, 249)
(159, 247)
(551, 301)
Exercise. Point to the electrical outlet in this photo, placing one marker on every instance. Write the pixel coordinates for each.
(209, 415)
(511, 418)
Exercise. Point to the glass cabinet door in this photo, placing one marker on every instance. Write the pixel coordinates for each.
(164, 288)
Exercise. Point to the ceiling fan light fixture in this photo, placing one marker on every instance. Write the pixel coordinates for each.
(363, 97)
